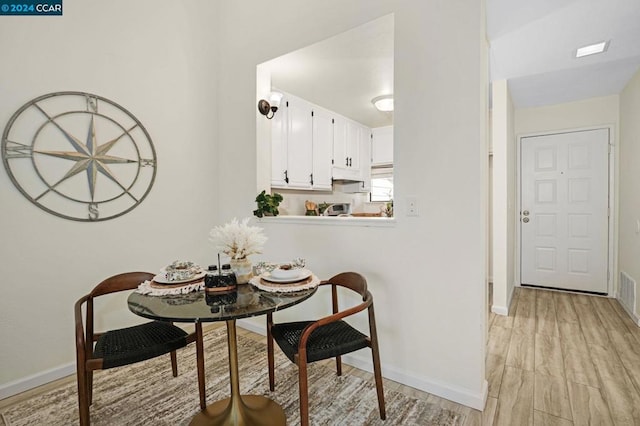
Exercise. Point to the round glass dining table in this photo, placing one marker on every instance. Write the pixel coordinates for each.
(198, 307)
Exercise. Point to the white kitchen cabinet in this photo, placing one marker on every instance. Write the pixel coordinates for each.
(279, 125)
(363, 183)
(301, 146)
(365, 158)
(382, 146)
(291, 145)
(346, 149)
(322, 149)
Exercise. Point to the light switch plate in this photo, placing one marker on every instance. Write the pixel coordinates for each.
(412, 206)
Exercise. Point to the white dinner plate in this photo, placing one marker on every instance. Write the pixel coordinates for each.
(303, 275)
(161, 278)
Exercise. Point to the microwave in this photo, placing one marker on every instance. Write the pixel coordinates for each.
(338, 209)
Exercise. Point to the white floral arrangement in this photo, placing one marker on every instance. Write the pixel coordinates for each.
(237, 239)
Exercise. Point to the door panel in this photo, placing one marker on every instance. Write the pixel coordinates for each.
(564, 217)
(299, 144)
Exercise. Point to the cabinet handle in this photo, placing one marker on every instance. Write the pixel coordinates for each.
(311, 178)
(350, 161)
(347, 162)
(286, 177)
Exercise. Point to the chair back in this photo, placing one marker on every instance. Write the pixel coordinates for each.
(353, 281)
(113, 284)
(120, 282)
(350, 280)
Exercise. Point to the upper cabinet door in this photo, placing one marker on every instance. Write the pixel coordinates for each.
(382, 146)
(346, 149)
(365, 158)
(354, 136)
(322, 148)
(340, 156)
(279, 128)
(299, 144)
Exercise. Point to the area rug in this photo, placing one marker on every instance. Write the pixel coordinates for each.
(146, 393)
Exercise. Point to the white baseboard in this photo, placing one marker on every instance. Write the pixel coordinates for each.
(39, 379)
(504, 310)
(633, 316)
(500, 310)
(251, 326)
(461, 396)
(446, 391)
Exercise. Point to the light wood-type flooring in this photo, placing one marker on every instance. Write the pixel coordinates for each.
(563, 359)
(556, 359)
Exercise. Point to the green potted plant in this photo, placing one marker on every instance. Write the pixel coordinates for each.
(267, 204)
(322, 207)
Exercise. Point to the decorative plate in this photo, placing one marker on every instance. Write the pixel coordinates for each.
(303, 275)
(306, 284)
(161, 278)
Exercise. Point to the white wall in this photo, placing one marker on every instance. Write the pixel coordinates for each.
(157, 59)
(595, 112)
(160, 60)
(427, 274)
(629, 199)
(504, 197)
(571, 115)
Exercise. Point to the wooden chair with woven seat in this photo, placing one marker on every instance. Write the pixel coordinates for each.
(116, 348)
(304, 342)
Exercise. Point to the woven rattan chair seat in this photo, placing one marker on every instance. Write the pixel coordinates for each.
(327, 341)
(139, 343)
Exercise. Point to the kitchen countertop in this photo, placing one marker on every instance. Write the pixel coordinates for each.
(375, 221)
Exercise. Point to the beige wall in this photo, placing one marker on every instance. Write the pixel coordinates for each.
(188, 71)
(629, 198)
(504, 198)
(427, 273)
(601, 111)
(589, 113)
(157, 59)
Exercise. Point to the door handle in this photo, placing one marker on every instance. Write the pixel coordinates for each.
(525, 213)
(525, 219)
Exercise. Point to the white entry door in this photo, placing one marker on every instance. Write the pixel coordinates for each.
(564, 210)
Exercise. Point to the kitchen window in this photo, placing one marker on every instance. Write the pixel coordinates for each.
(381, 184)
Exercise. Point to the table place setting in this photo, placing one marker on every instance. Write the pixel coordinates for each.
(284, 278)
(180, 277)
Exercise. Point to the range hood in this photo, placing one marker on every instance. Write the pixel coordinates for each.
(349, 186)
(341, 181)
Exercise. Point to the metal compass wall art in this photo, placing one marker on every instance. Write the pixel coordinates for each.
(79, 156)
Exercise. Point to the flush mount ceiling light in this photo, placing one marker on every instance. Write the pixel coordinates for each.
(592, 49)
(270, 106)
(383, 103)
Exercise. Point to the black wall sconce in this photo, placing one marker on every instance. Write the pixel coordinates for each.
(271, 106)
